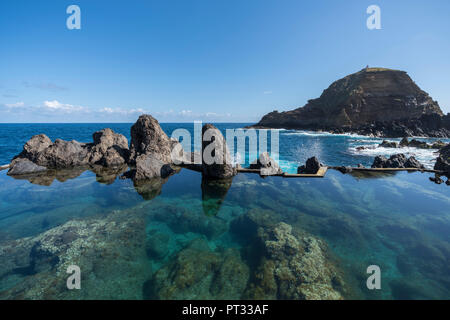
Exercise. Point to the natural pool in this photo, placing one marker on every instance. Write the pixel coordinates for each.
(184, 238)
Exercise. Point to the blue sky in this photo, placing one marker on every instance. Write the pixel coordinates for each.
(210, 60)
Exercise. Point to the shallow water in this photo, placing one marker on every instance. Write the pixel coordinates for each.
(399, 222)
(184, 238)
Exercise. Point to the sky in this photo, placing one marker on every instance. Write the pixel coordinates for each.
(209, 60)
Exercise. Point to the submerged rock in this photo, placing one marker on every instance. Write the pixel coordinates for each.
(295, 267)
(397, 161)
(312, 166)
(197, 272)
(110, 252)
(267, 165)
(216, 159)
(290, 264)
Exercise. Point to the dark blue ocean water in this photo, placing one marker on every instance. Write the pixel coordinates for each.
(135, 241)
(294, 146)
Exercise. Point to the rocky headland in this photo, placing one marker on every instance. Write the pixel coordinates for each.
(374, 101)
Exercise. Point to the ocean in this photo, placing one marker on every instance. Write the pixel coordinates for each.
(182, 238)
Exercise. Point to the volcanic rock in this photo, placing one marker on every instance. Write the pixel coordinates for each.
(312, 166)
(216, 159)
(373, 101)
(396, 161)
(443, 161)
(147, 138)
(267, 165)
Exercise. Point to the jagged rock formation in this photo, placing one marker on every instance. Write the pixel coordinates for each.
(109, 149)
(148, 138)
(216, 161)
(397, 161)
(311, 167)
(388, 144)
(266, 165)
(373, 101)
(151, 154)
(443, 161)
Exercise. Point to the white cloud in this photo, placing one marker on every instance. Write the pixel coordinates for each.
(186, 112)
(122, 111)
(15, 105)
(56, 105)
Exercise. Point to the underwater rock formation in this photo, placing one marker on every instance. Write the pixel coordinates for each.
(290, 264)
(216, 161)
(182, 219)
(295, 266)
(311, 167)
(397, 161)
(110, 252)
(267, 165)
(213, 194)
(197, 272)
(373, 101)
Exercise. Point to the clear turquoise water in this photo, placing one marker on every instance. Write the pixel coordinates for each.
(400, 222)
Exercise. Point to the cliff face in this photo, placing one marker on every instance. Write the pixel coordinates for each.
(373, 97)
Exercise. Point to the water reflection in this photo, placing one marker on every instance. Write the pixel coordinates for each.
(213, 194)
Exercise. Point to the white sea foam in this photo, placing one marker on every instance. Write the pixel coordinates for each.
(426, 156)
(307, 133)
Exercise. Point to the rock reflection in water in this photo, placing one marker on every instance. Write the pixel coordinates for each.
(46, 178)
(213, 194)
(149, 189)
